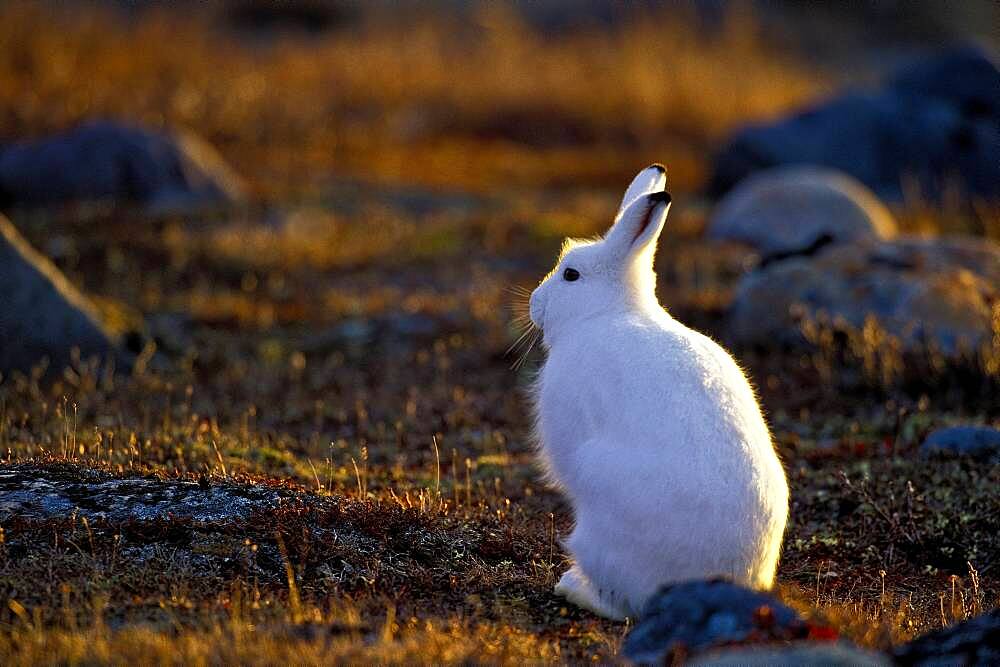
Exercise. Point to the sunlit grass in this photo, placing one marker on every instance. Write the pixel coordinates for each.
(418, 98)
(353, 341)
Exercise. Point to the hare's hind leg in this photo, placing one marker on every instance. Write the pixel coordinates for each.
(605, 562)
(576, 588)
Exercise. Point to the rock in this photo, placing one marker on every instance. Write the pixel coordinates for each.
(791, 209)
(936, 121)
(963, 76)
(698, 615)
(978, 442)
(798, 654)
(38, 493)
(972, 642)
(210, 530)
(943, 292)
(166, 172)
(41, 313)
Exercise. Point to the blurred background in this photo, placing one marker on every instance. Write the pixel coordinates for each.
(301, 230)
(178, 161)
(460, 95)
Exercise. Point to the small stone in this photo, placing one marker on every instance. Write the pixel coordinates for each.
(698, 615)
(972, 642)
(798, 654)
(978, 442)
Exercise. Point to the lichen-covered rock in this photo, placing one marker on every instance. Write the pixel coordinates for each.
(935, 123)
(939, 292)
(787, 210)
(798, 654)
(165, 172)
(978, 442)
(42, 315)
(210, 529)
(32, 493)
(973, 642)
(694, 616)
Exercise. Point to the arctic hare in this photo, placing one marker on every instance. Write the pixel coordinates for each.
(650, 428)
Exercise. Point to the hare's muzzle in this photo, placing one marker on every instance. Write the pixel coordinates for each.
(536, 308)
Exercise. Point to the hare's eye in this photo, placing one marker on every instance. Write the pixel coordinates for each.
(571, 275)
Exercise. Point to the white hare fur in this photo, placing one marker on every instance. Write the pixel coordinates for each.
(650, 428)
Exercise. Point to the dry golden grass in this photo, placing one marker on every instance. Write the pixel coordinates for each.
(417, 643)
(292, 359)
(415, 98)
(273, 387)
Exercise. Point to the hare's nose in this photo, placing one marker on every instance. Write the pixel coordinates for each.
(536, 310)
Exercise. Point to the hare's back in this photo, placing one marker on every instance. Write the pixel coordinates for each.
(672, 378)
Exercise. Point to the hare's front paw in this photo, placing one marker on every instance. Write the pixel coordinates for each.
(576, 588)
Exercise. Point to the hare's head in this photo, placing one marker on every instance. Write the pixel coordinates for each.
(614, 273)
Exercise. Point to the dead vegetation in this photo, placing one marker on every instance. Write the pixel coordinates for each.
(404, 98)
(347, 343)
(423, 530)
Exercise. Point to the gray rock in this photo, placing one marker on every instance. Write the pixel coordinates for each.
(41, 314)
(978, 442)
(924, 291)
(166, 172)
(791, 209)
(200, 527)
(698, 615)
(972, 642)
(44, 493)
(799, 654)
(936, 122)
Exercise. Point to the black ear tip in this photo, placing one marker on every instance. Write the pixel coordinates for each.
(659, 167)
(660, 197)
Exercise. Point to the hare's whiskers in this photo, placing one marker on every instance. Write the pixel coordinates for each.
(521, 339)
(521, 318)
(531, 345)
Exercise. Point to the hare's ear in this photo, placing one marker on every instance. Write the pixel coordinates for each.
(651, 179)
(639, 225)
